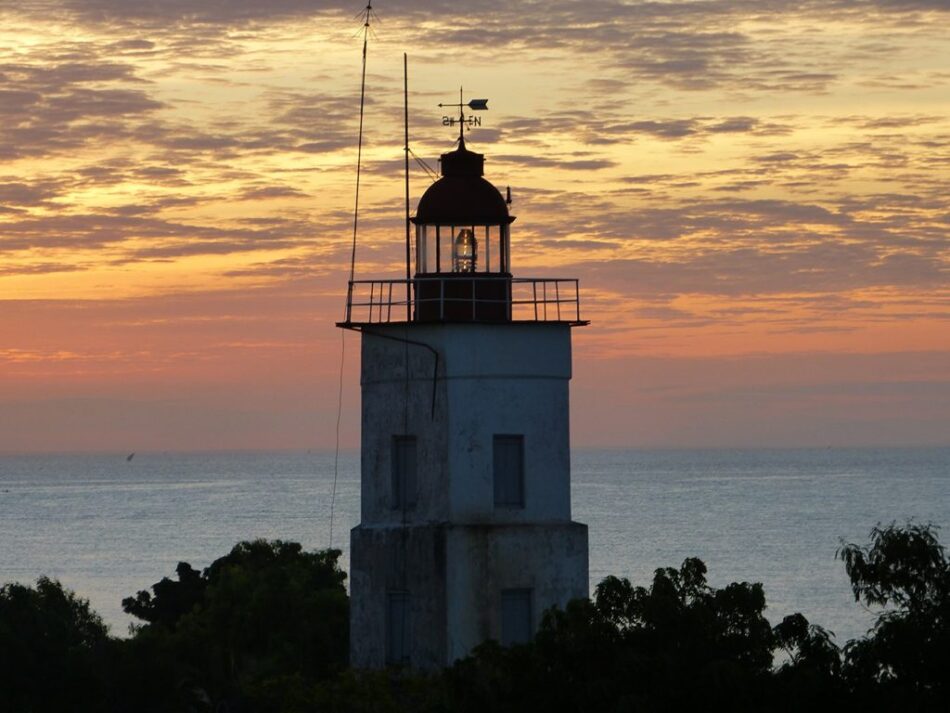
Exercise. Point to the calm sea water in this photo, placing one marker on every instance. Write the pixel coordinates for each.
(107, 527)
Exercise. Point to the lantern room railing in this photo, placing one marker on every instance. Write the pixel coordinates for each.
(477, 298)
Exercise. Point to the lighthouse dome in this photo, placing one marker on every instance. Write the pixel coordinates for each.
(462, 196)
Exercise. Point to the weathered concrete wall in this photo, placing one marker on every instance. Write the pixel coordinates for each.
(454, 575)
(411, 559)
(535, 408)
(392, 406)
(549, 559)
(493, 379)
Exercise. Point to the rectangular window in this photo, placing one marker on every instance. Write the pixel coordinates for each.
(397, 628)
(515, 616)
(508, 456)
(404, 472)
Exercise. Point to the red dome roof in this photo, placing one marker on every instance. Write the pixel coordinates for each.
(462, 196)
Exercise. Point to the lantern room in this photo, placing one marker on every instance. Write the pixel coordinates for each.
(462, 221)
(463, 256)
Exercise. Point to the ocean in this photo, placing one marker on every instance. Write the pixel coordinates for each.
(108, 527)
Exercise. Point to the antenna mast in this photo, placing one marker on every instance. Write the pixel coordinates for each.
(367, 14)
(405, 94)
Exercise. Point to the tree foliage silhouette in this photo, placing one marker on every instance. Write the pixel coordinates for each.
(267, 612)
(171, 600)
(51, 643)
(676, 644)
(905, 574)
(265, 628)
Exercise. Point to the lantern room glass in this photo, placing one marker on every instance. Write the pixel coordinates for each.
(462, 249)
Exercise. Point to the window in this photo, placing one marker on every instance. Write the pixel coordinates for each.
(508, 455)
(397, 628)
(515, 616)
(404, 472)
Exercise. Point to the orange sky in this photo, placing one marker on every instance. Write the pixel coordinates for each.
(753, 194)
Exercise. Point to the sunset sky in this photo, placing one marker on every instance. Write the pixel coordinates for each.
(755, 196)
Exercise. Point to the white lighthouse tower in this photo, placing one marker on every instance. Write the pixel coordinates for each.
(466, 531)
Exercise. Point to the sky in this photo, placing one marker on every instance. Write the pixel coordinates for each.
(753, 194)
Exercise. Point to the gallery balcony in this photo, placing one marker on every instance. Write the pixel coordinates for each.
(463, 297)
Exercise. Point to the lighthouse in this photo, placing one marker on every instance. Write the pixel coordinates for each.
(465, 530)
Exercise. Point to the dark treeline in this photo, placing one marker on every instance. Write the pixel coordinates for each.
(265, 628)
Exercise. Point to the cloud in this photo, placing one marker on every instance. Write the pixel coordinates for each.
(687, 44)
(37, 268)
(562, 163)
(55, 106)
(163, 238)
(265, 192)
(818, 266)
(584, 244)
(23, 194)
(226, 12)
(672, 129)
(780, 200)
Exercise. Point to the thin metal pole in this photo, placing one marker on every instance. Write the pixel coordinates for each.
(405, 90)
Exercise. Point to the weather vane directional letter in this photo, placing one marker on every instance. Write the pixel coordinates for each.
(461, 119)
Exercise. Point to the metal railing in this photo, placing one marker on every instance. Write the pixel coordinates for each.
(468, 298)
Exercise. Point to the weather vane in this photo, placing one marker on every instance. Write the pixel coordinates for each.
(461, 119)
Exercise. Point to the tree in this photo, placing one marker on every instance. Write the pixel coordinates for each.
(810, 677)
(52, 643)
(265, 621)
(807, 646)
(904, 660)
(689, 643)
(674, 645)
(172, 600)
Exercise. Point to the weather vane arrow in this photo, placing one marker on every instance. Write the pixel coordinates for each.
(473, 104)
